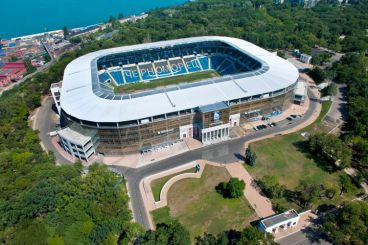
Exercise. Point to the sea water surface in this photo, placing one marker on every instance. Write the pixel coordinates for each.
(25, 17)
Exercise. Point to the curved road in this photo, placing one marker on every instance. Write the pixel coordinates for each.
(227, 151)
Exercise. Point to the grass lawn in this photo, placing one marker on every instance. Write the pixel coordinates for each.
(157, 184)
(285, 157)
(188, 78)
(196, 204)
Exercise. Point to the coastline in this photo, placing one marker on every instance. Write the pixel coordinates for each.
(82, 28)
(86, 13)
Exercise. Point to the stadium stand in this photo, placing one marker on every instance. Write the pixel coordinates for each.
(192, 64)
(104, 77)
(117, 76)
(147, 71)
(131, 74)
(178, 60)
(162, 69)
(177, 66)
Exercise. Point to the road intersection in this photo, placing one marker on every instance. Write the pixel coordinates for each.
(224, 152)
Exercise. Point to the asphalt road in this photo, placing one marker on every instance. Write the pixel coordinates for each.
(224, 152)
(44, 124)
(339, 109)
(307, 236)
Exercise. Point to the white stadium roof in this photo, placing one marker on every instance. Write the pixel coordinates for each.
(79, 100)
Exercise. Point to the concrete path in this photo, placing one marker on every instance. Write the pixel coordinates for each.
(146, 190)
(261, 204)
(252, 193)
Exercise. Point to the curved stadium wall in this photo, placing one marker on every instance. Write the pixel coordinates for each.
(252, 83)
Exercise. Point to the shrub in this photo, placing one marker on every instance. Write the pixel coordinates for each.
(232, 189)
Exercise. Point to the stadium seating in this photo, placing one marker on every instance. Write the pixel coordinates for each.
(192, 64)
(204, 62)
(215, 62)
(162, 68)
(131, 74)
(147, 71)
(177, 67)
(118, 77)
(176, 60)
(104, 77)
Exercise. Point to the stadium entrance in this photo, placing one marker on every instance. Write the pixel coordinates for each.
(215, 122)
(216, 134)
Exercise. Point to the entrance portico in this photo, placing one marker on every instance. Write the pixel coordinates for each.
(216, 133)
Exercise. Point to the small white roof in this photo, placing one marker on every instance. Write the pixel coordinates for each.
(301, 88)
(78, 99)
(80, 136)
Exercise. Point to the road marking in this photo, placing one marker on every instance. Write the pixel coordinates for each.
(301, 240)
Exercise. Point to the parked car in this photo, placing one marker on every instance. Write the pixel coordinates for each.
(289, 118)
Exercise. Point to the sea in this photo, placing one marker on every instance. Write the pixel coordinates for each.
(26, 17)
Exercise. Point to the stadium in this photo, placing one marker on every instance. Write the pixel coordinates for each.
(142, 97)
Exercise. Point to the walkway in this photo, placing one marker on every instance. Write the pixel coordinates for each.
(258, 201)
(252, 193)
(228, 151)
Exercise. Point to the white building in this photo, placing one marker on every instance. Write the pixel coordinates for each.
(305, 58)
(300, 92)
(286, 220)
(55, 91)
(81, 144)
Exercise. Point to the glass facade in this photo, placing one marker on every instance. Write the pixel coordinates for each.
(133, 137)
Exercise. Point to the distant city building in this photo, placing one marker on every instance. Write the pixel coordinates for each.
(286, 220)
(12, 71)
(305, 58)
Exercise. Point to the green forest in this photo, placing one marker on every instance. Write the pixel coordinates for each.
(41, 203)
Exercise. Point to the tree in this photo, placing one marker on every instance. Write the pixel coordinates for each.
(13, 59)
(75, 40)
(28, 63)
(65, 32)
(317, 74)
(270, 186)
(330, 149)
(250, 157)
(232, 189)
(349, 225)
(346, 184)
(250, 235)
(330, 90)
(308, 192)
(172, 233)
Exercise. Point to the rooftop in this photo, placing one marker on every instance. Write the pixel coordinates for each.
(77, 134)
(80, 101)
(279, 218)
(213, 107)
(301, 88)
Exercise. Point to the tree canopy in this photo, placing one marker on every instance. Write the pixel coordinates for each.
(41, 203)
(349, 225)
